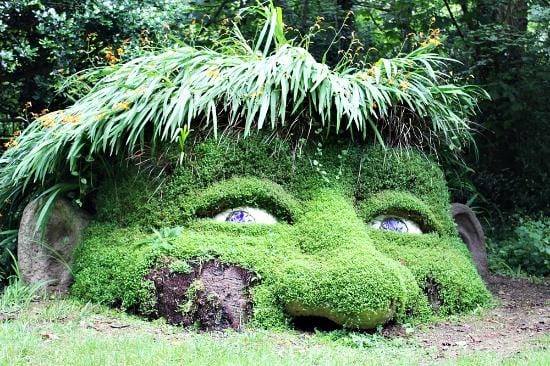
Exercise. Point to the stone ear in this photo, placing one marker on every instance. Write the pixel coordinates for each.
(471, 232)
(46, 256)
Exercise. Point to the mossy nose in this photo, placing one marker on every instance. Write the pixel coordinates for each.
(341, 276)
(330, 221)
(356, 289)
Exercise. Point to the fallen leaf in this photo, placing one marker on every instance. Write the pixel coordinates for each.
(48, 335)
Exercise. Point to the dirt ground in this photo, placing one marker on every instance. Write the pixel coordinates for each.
(522, 314)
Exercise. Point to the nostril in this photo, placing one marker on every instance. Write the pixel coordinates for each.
(312, 323)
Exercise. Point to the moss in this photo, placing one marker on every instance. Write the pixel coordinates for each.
(321, 259)
(179, 266)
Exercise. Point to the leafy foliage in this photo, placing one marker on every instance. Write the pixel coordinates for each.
(525, 248)
(44, 41)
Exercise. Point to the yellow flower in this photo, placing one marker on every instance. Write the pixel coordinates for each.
(213, 73)
(10, 144)
(257, 93)
(369, 73)
(110, 56)
(404, 85)
(71, 118)
(47, 121)
(99, 117)
(41, 113)
(434, 42)
(121, 106)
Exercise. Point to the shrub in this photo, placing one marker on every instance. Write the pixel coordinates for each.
(42, 42)
(525, 248)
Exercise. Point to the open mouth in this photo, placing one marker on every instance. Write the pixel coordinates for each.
(311, 324)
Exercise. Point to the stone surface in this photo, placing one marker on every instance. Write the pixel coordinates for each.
(48, 256)
(471, 232)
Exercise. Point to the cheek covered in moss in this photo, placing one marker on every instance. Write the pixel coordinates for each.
(441, 266)
(322, 258)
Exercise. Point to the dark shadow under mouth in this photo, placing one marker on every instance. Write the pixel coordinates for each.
(310, 324)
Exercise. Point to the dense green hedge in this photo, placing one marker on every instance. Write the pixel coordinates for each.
(322, 258)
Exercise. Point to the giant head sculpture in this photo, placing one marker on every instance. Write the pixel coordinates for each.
(262, 231)
(221, 232)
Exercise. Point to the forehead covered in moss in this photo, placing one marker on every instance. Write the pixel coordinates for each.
(277, 175)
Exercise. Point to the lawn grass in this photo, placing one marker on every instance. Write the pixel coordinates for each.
(66, 332)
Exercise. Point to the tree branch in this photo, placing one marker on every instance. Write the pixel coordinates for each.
(453, 19)
(217, 14)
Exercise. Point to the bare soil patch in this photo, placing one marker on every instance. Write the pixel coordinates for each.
(523, 313)
(211, 296)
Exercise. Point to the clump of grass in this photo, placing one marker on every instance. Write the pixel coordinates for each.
(18, 295)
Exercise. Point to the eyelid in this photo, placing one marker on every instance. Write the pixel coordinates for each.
(400, 204)
(246, 192)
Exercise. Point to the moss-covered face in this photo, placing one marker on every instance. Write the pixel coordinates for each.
(355, 235)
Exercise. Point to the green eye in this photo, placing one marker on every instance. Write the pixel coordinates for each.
(396, 224)
(246, 215)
